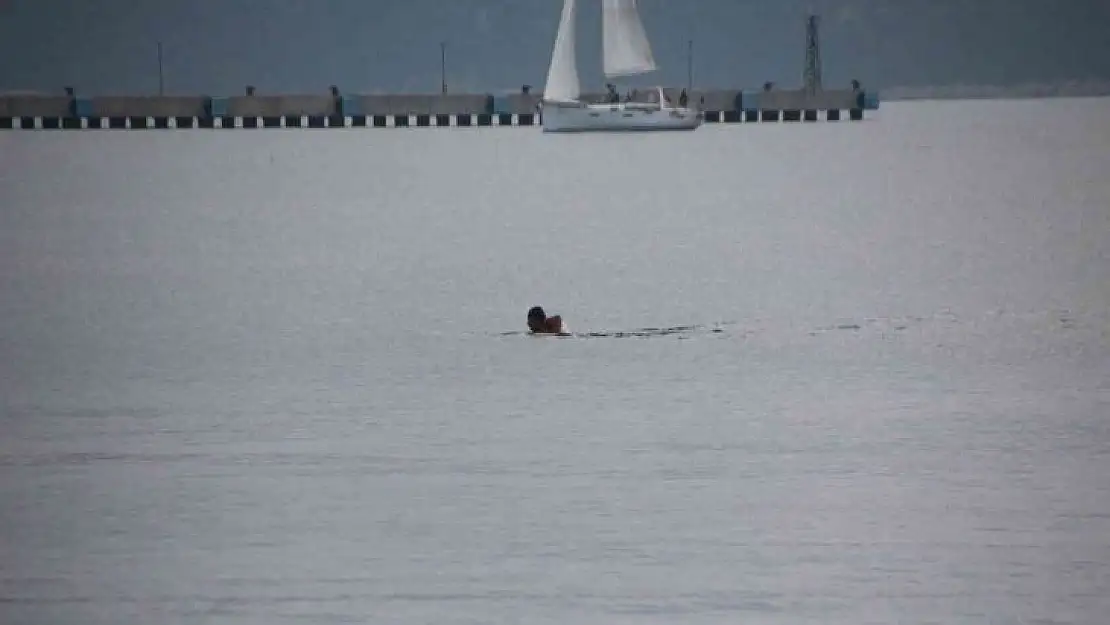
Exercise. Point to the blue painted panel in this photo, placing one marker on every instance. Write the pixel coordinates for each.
(871, 101)
(216, 107)
(349, 105)
(82, 107)
(749, 101)
(501, 104)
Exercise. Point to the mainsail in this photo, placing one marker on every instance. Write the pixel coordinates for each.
(626, 47)
(562, 76)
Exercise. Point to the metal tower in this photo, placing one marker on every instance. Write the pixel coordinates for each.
(812, 76)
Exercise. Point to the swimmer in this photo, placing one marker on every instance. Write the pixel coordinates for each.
(540, 323)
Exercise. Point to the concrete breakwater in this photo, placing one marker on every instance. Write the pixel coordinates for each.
(390, 111)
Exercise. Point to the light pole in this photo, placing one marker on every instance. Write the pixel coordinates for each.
(690, 65)
(443, 66)
(161, 80)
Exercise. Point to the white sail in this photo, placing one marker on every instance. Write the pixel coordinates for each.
(562, 75)
(626, 46)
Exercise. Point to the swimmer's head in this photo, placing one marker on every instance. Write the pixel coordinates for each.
(536, 319)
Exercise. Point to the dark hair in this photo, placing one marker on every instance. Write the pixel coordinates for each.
(535, 312)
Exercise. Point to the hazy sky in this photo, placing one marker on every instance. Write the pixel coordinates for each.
(218, 46)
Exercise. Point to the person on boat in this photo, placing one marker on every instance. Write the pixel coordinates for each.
(683, 99)
(540, 323)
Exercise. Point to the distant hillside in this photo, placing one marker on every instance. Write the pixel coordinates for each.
(1072, 89)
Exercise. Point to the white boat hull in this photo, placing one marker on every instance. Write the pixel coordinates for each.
(575, 117)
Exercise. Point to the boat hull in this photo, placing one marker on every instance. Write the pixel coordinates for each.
(634, 117)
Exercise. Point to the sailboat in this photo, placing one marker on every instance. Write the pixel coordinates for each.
(626, 52)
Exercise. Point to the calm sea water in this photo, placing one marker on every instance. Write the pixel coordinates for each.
(278, 377)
